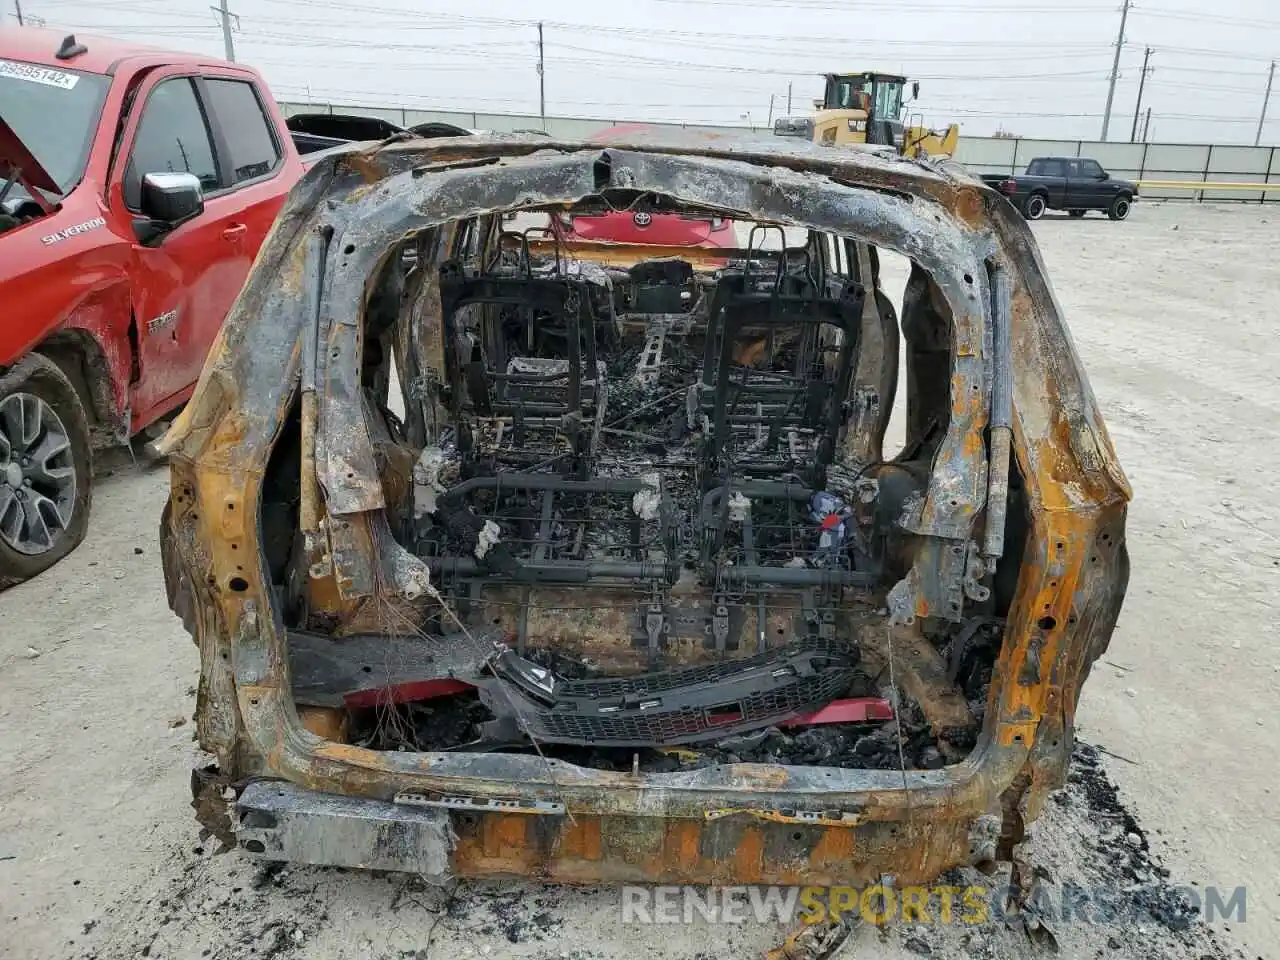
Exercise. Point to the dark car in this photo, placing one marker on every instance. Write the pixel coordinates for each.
(1074, 184)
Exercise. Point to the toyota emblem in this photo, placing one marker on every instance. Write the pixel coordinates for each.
(642, 219)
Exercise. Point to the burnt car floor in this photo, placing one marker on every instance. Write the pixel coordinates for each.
(587, 561)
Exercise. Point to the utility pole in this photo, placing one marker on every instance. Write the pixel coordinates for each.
(1271, 76)
(788, 93)
(225, 16)
(17, 5)
(1142, 82)
(770, 123)
(1146, 126)
(542, 80)
(1115, 69)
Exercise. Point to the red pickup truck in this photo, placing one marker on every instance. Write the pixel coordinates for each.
(136, 186)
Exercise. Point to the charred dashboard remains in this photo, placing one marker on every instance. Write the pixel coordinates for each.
(551, 526)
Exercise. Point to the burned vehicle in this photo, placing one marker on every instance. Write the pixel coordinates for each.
(513, 555)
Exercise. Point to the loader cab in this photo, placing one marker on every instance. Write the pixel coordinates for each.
(861, 108)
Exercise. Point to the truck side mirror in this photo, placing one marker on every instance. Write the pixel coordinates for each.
(1101, 175)
(172, 198)
(168, 200)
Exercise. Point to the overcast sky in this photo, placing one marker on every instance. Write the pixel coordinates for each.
(1032, 67)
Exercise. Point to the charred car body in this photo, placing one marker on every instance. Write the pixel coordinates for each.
(511, 555)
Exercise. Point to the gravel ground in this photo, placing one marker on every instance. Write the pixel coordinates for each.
(99, 855)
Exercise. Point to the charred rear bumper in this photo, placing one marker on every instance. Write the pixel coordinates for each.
(523, 834)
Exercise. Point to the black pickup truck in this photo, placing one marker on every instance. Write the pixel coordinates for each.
(1074, 184)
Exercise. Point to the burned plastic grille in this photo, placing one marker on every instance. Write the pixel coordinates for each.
(671, 707)
(649, 684)
(691, 724)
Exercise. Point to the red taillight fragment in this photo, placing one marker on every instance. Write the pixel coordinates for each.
(406, 692)
(852, 710)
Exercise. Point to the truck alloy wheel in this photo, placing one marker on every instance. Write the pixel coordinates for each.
(1034, 208)
(37, 474)
(45, 469)
(1119, 208)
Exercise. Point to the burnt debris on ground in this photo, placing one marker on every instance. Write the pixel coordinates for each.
(1099, 891)
(1125, 857)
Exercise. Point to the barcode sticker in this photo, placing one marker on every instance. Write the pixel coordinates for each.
(34, 73)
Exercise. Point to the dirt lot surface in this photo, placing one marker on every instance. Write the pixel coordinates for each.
(99, 855)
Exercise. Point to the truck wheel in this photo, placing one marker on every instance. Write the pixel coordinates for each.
(45, 469)
(1077, 213)
(1034, 206)
(1119, 208)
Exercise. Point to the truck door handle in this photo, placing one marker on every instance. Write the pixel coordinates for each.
(235, 231)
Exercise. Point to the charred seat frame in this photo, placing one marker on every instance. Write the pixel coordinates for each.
(294, 340)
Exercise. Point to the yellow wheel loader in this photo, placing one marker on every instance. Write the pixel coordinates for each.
(867, 108)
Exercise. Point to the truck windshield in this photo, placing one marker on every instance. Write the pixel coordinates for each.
(54, 113)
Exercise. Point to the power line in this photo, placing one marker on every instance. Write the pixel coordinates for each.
(915, 58)
(594, 53)
(570, 50)
(966, 112)
(1188, 15)
(648, 33)
(480, 52)
(843, 43)
(676, 36)
(1206, 118)
(176, 31)
(1183, 85)
(957, 110)
(1078, 75)
(135, 6)
(1210, 70)
(412, 19)
(130, 6)
(796, 5)
(323, 39)
(1201, 118)
(1201, 52)
(734, 68)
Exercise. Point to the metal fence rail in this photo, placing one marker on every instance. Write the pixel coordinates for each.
(1174, 171)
